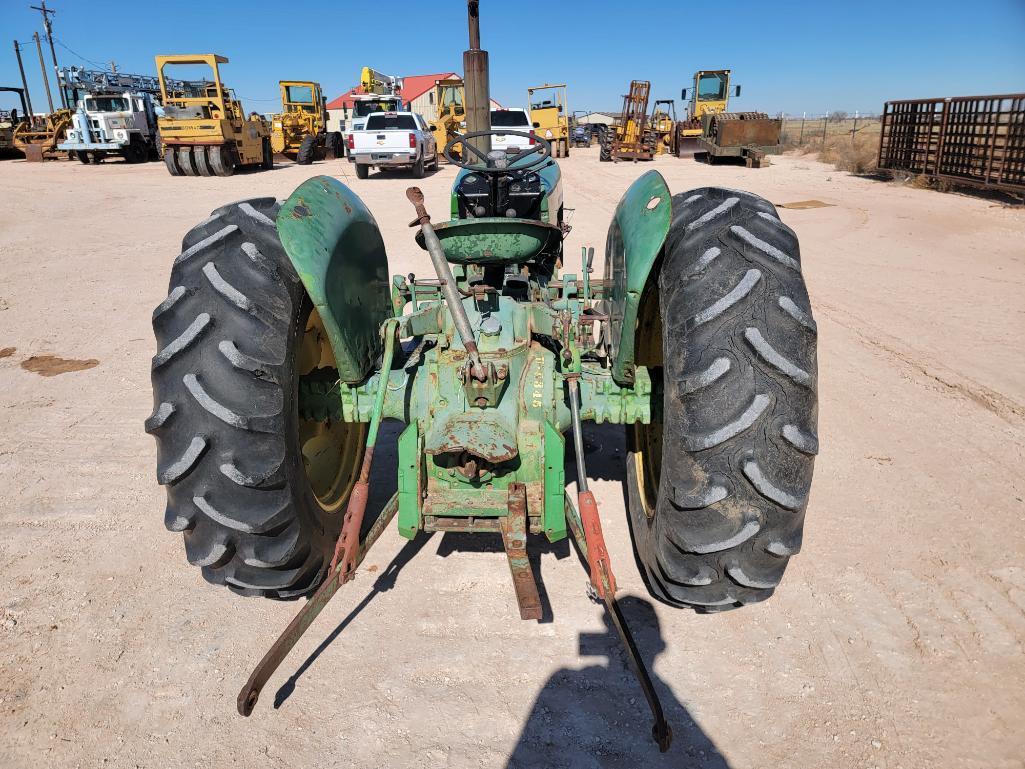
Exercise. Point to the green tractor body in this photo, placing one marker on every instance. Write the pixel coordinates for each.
(283, 344)
(466, 442)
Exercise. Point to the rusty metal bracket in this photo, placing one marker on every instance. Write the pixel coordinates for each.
(514, 537)
(250, 693)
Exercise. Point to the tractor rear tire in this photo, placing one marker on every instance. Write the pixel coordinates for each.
(307, 151)
(362, 171)
(717, 487)
(230, 340)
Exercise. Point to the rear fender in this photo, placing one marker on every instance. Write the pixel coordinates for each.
(336, 247)
(632, 250)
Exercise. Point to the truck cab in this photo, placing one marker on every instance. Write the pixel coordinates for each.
(113, 123)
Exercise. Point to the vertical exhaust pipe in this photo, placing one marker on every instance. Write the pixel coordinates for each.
(476, 83)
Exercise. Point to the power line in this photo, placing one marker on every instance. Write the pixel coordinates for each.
(62, 44)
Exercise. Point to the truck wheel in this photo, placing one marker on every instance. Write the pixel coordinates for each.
(136, 150)
(718, 484)
(257, 488)
(83, 157)
(307, 151)
(418, 168)
(362, 170)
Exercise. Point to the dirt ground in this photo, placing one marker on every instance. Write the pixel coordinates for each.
(895, 640)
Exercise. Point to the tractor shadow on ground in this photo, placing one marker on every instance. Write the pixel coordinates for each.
(597, 716)
(604, 451)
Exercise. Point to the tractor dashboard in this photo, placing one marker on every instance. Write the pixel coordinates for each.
(515, 193)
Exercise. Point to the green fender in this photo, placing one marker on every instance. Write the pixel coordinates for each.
(632, 249)
(335, 245)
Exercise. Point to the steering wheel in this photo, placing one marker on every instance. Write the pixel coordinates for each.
(543, 147)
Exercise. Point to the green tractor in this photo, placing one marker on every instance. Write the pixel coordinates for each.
(283, 344)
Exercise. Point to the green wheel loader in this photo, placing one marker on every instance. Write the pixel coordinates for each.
(283, 344)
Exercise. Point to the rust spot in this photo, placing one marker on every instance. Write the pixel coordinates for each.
(51, 365)
(300, 210)
(348, 208)
(7, 352)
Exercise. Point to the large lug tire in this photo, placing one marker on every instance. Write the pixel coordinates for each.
(307, 151)
(234, 336)
(362, 170)
(718, 485)
(268, 155)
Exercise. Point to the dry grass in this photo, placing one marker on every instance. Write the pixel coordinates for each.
(856, 153)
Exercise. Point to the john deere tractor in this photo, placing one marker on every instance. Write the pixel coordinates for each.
(300, 131)
(204, 130)
(282, 345)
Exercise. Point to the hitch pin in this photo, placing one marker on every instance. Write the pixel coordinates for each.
(448, 283)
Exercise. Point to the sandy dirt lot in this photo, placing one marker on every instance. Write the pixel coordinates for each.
(895, 641)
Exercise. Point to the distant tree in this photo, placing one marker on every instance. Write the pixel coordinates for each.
(837, 116)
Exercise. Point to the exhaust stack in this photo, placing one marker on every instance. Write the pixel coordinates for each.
(476, 83)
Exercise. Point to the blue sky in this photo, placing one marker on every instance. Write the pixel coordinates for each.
(790, 56)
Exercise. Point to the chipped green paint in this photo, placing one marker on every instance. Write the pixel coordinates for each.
(633, 247)
(337, 250)
(495, 240)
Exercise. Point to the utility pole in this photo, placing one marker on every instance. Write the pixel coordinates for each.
(42, 66)
(47, 13)
(24, 84)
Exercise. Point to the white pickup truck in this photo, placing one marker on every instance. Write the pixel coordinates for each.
(393, 140)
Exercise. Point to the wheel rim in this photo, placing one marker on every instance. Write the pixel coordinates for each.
(647, 439)
(332, 450)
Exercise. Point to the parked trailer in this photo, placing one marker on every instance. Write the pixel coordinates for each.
(973, 140)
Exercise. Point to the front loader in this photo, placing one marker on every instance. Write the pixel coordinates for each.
(300, 132)
(282, 346)
(204, 130)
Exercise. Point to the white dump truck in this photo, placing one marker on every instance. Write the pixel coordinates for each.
(106, 124)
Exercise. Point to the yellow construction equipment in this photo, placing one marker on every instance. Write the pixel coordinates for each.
(38, 138)
(663, 123)
(204, 129)
(630, 137)
(549, 113)
(710, 94)
(714, 131)
(300, 132)
(449, 117)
